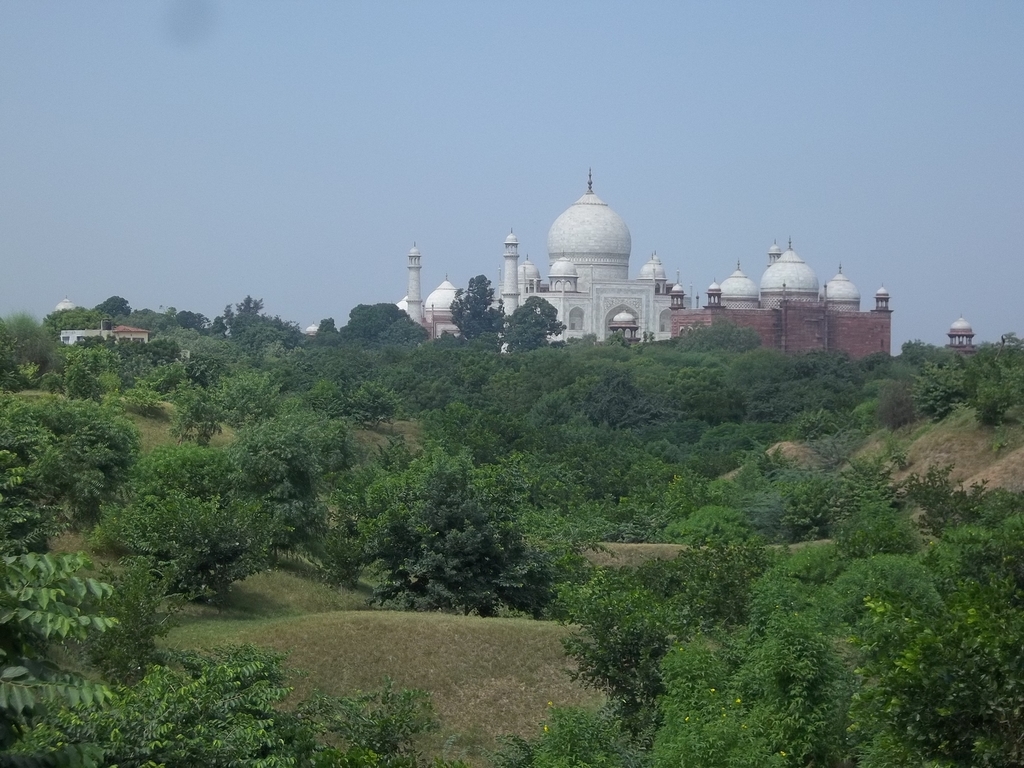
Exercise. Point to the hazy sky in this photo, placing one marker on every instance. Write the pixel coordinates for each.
(188, 153)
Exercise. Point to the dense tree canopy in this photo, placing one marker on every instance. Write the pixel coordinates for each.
(531, 325)
(473, 312)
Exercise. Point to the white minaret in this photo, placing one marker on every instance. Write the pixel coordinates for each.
(510, 281)
(412, 299)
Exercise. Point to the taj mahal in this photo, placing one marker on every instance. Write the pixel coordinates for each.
(589, 284)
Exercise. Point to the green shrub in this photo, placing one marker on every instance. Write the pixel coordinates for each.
(710, 525)
(201, 546)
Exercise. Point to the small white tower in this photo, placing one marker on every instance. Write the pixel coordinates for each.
(414, 305)
(510, 276)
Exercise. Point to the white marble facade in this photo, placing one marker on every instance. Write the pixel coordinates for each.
(587, 280)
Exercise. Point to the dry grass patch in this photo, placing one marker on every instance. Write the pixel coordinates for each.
(1007, 472)
(620, 555)
(278, 593)
(799, 453)
(377, 437)
(487, 677)
(976, 452)
(156, 430)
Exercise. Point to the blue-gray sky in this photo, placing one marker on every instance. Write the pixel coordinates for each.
(189, 152)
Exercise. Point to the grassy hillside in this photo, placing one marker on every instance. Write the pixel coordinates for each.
(473, 667)
(978, 453)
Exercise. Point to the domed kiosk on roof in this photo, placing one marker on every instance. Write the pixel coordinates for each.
(65, 304)
(961, 337)
(590, 234)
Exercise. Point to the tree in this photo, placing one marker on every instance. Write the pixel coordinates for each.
(372, 404)
(626, 621)
(248, 396)
(224, 709)
(33, 346)
(71, 319)
(473, 312)
(939, 389)
(194, 320)
(378, 325)
(202, 545)
(115, 306)
(197, 415)
(444, 542)
(89, 372)
(895, 404)
(254, 331)
(283, 464)
(719, 336)
(531, 324)
(82, 458)
(43, 600)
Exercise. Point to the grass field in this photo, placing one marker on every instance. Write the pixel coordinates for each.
(487, 677)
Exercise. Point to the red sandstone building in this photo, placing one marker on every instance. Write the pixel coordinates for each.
(789, 312)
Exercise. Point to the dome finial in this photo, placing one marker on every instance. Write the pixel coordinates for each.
(737, 263)
(840, 267)
(791, 243)
(590, 180)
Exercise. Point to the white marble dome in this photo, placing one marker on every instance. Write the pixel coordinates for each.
(414, 251)
(790, 274)
(589, 233)
(961, 327)
(677, 289)
(65, 303)
(441, 298)
(312, 329)
(882, 293)
(840, 289)
(737, 287)
(511, 239)
(623, 318)
(714, 287)
(528, 270)
(564, 268)
(774, 252)
(653, 270)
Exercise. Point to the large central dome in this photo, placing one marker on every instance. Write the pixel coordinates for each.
(590, 234)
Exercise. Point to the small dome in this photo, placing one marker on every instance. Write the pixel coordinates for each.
(841, 288)
(64, 304)
(961, 327)
(312, 329)
(677, 290)
(881, 293)
(563, 268)
(773, 253)
(653, 270)
(623, 318)
(790, 274)
(528, 270)
(714, 288)
(511, 239)
(440, 300)
(739, 287)
(414, 251)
